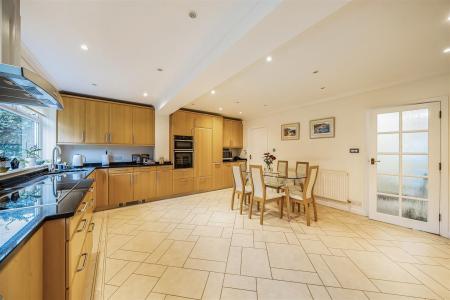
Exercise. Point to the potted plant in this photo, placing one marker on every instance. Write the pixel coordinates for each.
(3, 163)
(32, 154)
(268, 160)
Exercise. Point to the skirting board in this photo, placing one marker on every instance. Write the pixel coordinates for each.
(342, 206)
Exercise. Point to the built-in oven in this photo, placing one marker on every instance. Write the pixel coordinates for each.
(227, 154)
(181, 142)
(183, 151)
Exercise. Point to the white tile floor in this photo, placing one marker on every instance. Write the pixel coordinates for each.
(195, 247)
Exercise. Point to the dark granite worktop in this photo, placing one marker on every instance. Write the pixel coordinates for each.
(125, 165)
(26, 202)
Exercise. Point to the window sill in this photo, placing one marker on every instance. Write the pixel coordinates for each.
(21, 171)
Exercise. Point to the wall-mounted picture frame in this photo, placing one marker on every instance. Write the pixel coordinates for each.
(322, 128)
(290, 131)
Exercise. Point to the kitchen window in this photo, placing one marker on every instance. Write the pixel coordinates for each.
(19, 130)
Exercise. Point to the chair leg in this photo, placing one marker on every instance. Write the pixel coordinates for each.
(232, 199)
(257, 205)
(250, 208)
(288, 208)
(281, 207)
(261, 218)
(315, 209)
(243, 196)
(308, 217)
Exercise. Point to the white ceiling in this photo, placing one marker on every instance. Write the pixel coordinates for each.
(364, 45)
(129, 40)
(356, 46)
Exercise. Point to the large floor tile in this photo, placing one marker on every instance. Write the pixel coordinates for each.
(136, 287)
(285, 256)
(182, 282)
(345, 294)
(234, 294)
(406, 289)
(316, 247)
(255, 263)
(276, 290)
(341, 242)
(144, 241)
(240, 282)
(211, 249)
(208, 231)
(213, 287)
(177, 254)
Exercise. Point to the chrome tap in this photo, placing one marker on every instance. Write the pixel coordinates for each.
(55, 159)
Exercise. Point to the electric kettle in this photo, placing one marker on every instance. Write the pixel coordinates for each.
(78, 160)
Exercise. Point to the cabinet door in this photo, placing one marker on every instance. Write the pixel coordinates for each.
(217, 155)
(101, 188)
(218, 176)
(121, 125)
(227, 175)
(182, 123)
(120, 187)
(183, 185)
(227, 132)
(236, 136)
(144, 184)
(204, 184)
(71, 121)
(164, 182)
(203, 121)
(97, 122)
(202, 152)
(143, 126)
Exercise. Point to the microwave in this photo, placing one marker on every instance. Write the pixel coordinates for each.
(181, 142)
(227, 154)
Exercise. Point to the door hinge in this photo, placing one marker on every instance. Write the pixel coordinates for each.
(440, 114)
(440, 166)
(440, 217)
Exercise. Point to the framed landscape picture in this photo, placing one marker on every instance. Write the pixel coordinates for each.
(321, 128)
(290, 131)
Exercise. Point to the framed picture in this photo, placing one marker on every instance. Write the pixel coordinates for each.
(321, 128)
(290, 131)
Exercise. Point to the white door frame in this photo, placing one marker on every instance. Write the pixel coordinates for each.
(444, 229)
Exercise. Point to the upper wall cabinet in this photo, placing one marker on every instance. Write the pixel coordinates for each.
(182, 123)
(232, 133)
(86, 121)
(71, 121)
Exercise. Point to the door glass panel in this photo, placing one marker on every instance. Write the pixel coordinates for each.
(388, 142)
(415, 142)
(388, 164)
(415, 165)
(388, 122)
(387, 184)
(387, 205)
(415, 120)
(415, 187)
(415, 209)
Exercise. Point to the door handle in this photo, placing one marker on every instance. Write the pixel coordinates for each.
(373, 161)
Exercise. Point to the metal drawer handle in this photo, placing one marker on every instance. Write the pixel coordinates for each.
(84, 225)
(91, 227)
(84, 255)
(84, 207)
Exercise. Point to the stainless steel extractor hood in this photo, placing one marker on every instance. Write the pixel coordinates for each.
(19, 85)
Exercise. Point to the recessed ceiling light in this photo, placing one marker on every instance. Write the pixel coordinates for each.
(192, 14)
(220, 108)
(84, 47)
(315, 72)
(322, 88)
(159, 70)
(240, 112)
(446, 50)
(265, 105)
(448, 18)
(213, 92)
(269, 58)
(93, 84)
(145, 94)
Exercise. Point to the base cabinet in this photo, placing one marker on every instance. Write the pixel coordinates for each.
(120, 186)
(144, 183)
(218, 178)
(164, 181)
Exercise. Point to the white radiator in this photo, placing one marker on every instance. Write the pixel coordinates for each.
(332, 185)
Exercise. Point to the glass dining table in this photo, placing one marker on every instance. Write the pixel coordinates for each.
(285, 183)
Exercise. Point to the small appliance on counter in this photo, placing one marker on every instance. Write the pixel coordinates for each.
(227, 154)
(142, 159)
(78, 160)
(105, 159)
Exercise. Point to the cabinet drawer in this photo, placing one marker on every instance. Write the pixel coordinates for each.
(141, 169)
(86, 205)
(183, 185)
(168, 167)
(120, 170)
(204, 184)
(183, 173)
(79, 284)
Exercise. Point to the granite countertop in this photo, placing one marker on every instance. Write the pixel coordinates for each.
(27, 202)
(233, 160)
(125, 165)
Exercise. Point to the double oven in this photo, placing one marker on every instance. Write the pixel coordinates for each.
(183, 151)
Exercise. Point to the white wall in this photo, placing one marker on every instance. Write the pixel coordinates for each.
(161, 136)
(350, 113)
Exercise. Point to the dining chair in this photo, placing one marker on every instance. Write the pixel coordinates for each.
(262, 195)
(282, 170)
(306, 197)
(242, 191)
(301, 170)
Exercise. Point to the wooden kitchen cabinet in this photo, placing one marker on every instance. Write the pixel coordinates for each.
(97, 122)
(232, 133)
(182, 123)
(164, 181)
(144, 183)
(121, 125)
(183, 181)
(202, 152)
(143, 126)
(120, 185)
(71, 121)
(101, 188)
(217, 139)
(203, 121)
(218, 177)
(227, 175)
(227, 132)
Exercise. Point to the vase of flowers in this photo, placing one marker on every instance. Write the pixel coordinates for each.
(32, 154)
(268, 160)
